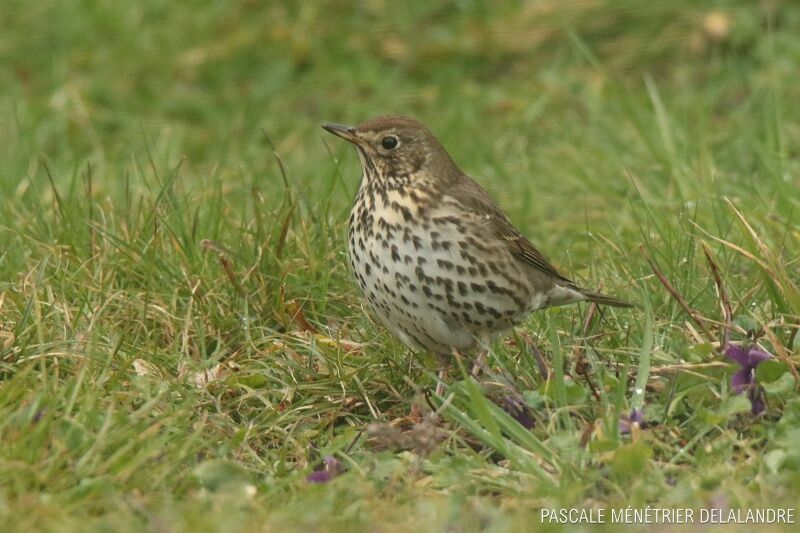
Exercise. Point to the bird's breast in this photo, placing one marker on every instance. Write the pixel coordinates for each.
(430, 273)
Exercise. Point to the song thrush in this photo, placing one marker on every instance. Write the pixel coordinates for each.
(441, 265)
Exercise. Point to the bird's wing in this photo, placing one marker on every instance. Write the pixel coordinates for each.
(477, 201)
(521, 248)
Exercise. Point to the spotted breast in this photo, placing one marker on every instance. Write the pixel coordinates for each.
(429, 272)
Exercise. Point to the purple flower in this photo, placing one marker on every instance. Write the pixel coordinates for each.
(329, 469)
(748, 359)
(627, 422)
(518, 410)
(320, 476)
(757, 401)
(744, 379)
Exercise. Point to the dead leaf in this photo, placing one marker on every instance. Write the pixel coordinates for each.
(146, 369)
(295, 312)
(218, 372)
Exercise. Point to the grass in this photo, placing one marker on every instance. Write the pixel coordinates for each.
(181, 341)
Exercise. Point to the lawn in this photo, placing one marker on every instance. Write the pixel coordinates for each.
(183, 346)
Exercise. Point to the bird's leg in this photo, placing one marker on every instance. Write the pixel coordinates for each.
(443, 364)
(480, 362)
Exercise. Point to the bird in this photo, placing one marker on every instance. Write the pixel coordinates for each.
(441, 265)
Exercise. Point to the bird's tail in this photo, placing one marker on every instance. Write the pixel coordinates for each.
(604, 299)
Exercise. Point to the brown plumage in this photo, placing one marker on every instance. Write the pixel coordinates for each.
(440, 264)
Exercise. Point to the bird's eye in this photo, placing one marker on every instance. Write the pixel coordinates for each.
(389, 142)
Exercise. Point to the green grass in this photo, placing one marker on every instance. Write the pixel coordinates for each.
(150, 235)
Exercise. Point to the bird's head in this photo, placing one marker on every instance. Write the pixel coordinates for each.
(395, 149)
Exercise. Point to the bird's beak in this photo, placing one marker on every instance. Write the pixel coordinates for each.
(347, 133)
